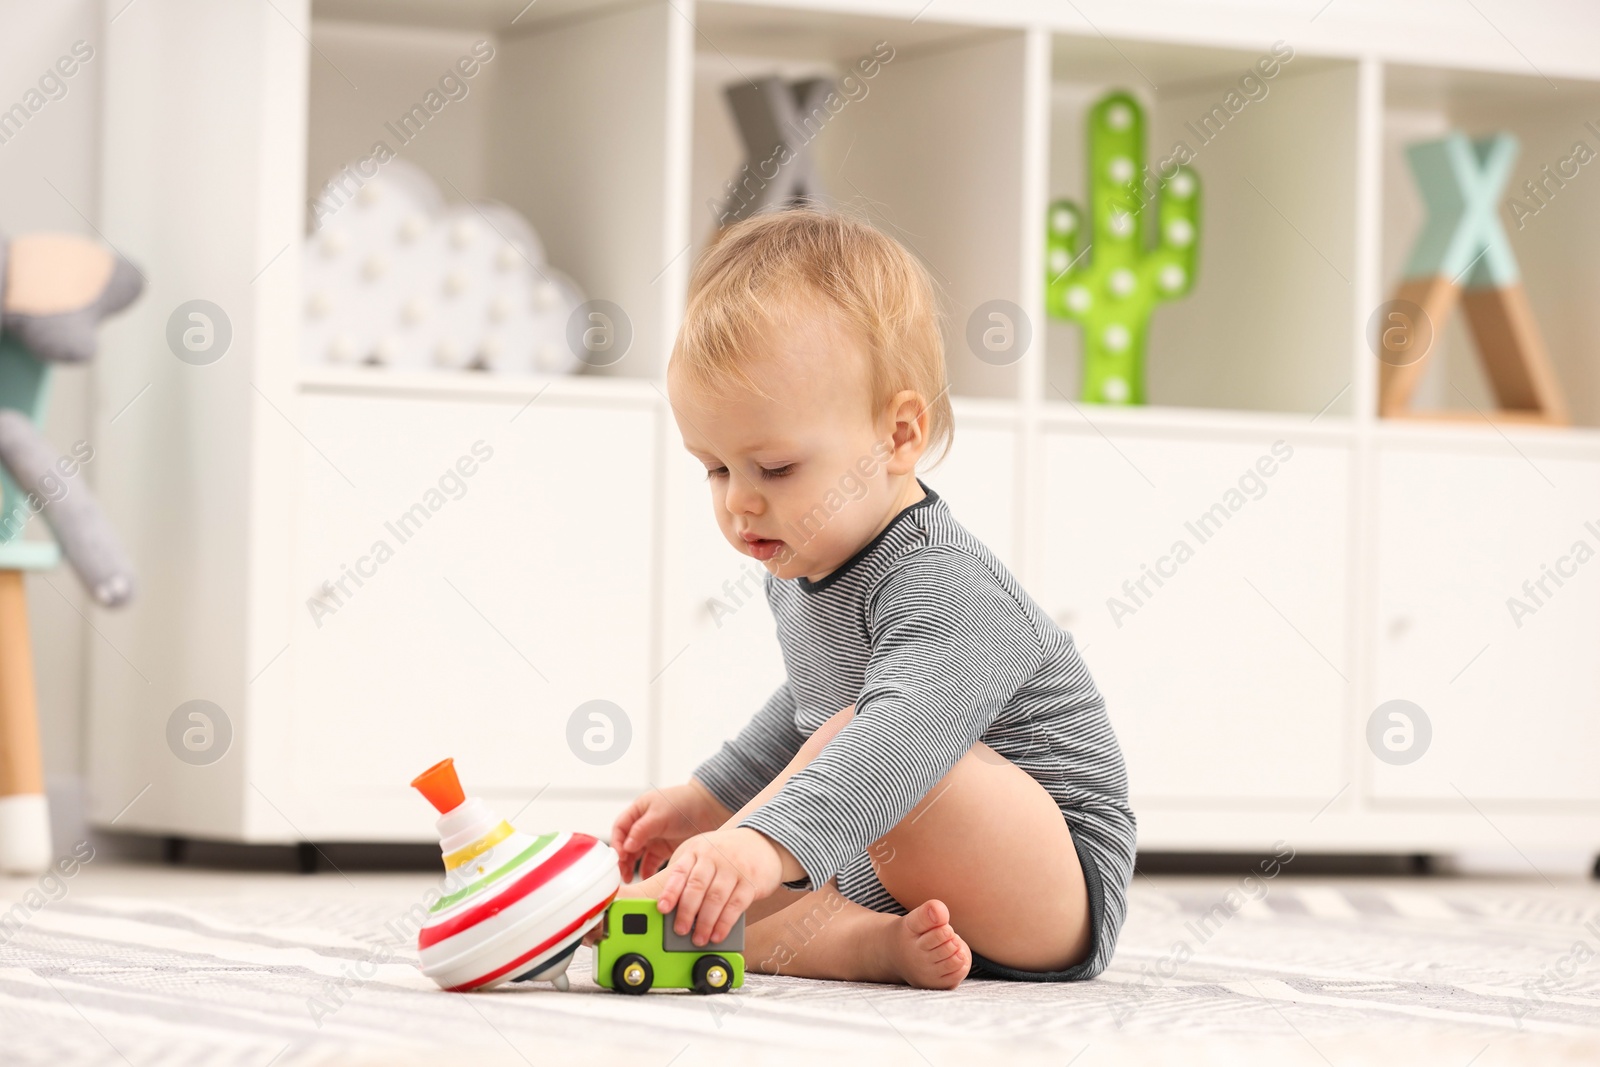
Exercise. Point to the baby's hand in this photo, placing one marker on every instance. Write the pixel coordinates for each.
(659, 821)
(714, 877)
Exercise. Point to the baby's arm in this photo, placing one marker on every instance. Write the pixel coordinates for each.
(744, 765)
(950, 648)
(657, 822)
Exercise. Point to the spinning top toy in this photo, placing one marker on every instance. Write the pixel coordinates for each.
(514, 907)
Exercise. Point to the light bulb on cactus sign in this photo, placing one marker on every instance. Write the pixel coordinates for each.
(1141, 248)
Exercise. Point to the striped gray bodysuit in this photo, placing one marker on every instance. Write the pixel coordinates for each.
(928, 634)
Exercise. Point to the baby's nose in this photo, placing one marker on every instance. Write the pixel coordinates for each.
(743, 499)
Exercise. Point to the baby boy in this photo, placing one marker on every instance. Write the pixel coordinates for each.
(935, 790)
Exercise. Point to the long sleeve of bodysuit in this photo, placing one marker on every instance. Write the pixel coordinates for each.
(743, 766)
(950, 646)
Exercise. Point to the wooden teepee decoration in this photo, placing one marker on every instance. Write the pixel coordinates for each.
(1463, 254)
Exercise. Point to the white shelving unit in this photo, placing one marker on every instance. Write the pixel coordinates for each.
(578, 562)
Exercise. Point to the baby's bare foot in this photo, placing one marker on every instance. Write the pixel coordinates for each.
(925, 951)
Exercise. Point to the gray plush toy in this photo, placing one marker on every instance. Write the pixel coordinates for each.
(54, 290)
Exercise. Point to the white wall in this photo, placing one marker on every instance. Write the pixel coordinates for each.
(50, 180)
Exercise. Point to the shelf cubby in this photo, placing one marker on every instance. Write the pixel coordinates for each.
(1268, 325)
(1552, 240)
(567, 123)
(929, 149)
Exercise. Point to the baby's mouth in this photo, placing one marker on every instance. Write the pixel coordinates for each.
(762, 548)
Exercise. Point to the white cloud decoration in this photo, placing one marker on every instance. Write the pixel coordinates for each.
(395, 278)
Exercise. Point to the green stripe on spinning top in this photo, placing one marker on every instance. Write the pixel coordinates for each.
(494, 875)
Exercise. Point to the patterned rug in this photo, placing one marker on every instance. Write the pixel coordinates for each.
(1296, 971)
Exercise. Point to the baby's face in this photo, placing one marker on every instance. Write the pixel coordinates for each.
(805, 476)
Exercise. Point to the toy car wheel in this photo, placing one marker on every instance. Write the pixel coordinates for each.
(712, 974)
(632, 974)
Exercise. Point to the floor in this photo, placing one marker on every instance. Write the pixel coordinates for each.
(139, 966)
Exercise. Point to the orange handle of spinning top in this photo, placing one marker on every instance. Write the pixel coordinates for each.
(441, 786)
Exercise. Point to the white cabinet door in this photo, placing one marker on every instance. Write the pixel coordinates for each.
(1489, 620)
(1209, 600)
(471, 613)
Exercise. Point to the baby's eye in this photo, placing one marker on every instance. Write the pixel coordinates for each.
(778, 472)
(716, 472)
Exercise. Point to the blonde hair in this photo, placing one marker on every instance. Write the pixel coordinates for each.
(760, 267)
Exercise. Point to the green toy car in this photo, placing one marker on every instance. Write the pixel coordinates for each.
(639, 951)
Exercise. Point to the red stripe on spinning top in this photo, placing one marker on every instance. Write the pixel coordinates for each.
(565, 857)
(531, 953)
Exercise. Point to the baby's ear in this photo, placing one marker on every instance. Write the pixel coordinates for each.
(55, 288)
(908, 419)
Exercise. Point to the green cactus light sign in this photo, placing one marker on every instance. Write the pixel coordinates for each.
(1110, 279)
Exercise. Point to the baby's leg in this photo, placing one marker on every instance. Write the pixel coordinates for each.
(823, 935)
(989, 844)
